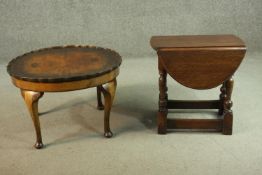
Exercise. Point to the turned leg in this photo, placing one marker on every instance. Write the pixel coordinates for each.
(222, 98)
(100, 105)
(228, 113)
(109, 94)
(163, 98)
(31, 99)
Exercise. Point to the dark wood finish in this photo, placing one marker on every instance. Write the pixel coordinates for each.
(222, 98)
(228, 113)
(68, 68)
(198, 69)
(186, 104)
(210, 124)
(198, 62)
(163, 98)
(64, 64)
(200, 56)
(195, 41)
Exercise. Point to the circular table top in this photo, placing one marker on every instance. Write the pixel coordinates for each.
(64, 64)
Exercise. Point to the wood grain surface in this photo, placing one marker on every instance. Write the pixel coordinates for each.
(200, 62)
(63, 64)
(199, 41)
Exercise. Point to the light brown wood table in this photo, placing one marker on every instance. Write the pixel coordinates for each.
(68, 68)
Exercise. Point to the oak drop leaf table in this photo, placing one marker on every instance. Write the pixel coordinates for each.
(60, 69)
(198, 62)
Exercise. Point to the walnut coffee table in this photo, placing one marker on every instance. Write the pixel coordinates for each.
(198, 62)
(69, 68)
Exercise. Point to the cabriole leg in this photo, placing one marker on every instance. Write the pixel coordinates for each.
(31, 99)
(100, 105)
(109, 93)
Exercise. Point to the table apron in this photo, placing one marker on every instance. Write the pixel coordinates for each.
(65, 86)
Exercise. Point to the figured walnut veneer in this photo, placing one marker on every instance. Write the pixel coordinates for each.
(64, 64)
(68, 68)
